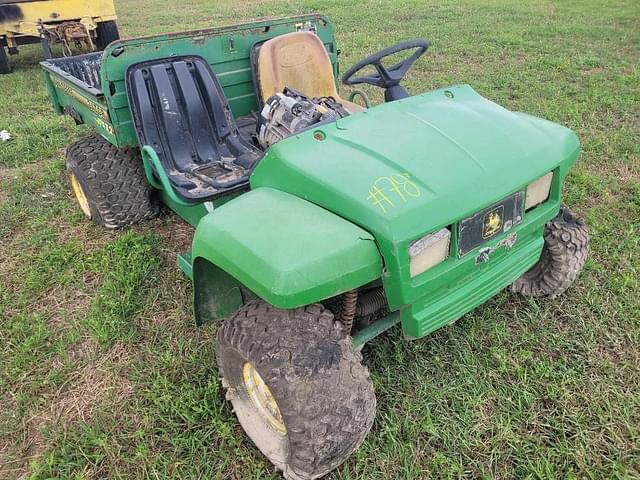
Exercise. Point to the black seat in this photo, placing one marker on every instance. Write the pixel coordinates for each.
(179, 108)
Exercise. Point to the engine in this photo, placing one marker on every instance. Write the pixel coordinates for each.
(290, 112)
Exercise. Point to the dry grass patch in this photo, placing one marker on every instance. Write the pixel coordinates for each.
(99, 384)
(61, 307)
(176, 235)
(89, 388)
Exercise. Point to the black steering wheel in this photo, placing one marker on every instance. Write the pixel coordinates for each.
(387, 78)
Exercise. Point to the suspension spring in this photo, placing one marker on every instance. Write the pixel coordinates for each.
(371, 302)
(348, 310)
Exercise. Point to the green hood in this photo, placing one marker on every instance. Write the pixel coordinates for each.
(406, 168)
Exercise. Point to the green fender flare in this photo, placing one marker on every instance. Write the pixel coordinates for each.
(280, 248)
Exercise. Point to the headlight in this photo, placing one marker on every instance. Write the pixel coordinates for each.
(538, 191)
(428, 251)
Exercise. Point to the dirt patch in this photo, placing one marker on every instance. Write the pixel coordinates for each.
(82, 350)
(174, 233)
(90, 388)
(14, 459)
(8, 266)
(623, 172)
(90, 236)
(98, 384)
(173, 303)
(62, 306)
(8, 262)
(9, 174)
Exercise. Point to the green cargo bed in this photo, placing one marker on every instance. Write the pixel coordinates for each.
(91, 88)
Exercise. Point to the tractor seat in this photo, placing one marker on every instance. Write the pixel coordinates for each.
(298, 61)
(179, 109)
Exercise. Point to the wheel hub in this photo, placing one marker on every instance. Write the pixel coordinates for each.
(262, 398)
(80, 196)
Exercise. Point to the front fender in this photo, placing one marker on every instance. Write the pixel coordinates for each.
(284, 249)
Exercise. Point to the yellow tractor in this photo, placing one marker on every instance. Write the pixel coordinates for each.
(86, 25)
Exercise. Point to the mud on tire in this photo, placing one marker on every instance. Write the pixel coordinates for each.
(566, 246)
(323, 392)
(113, 181)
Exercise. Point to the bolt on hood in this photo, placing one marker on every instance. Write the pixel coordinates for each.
(406, 168)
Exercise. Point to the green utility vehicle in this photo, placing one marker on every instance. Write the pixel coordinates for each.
(319, 222)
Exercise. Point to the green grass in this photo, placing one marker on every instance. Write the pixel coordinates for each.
(103, 373)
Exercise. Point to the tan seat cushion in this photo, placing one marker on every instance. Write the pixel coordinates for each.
(299, 61)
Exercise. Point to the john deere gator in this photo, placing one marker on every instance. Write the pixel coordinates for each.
(320, 222)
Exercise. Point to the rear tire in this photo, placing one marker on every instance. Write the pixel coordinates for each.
(106, 33)
(566, 246)
(315, 382)
(110, 183)
(5, 65)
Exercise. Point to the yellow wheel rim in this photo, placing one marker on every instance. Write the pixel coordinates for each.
(262, 398)
(80, 196)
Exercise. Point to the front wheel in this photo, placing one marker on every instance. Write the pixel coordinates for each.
(566, 246)
(297, 386)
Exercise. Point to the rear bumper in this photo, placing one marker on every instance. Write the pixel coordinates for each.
(446, 304)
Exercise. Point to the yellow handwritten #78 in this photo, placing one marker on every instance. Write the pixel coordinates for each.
(395, 188)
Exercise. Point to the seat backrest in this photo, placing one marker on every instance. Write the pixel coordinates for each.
(296, 60)
(179, 108)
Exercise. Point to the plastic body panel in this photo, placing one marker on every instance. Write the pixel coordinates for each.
(467, 284)
(74, 88)
(286, 250)
(411, 167)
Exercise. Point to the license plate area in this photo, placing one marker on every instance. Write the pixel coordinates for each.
(490, 222)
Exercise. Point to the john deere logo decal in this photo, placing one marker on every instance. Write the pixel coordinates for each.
(492, 222)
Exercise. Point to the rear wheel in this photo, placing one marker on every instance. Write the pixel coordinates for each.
(566, 246)
(106, 33)
(5, 66)
(109, 183)
(297, 386)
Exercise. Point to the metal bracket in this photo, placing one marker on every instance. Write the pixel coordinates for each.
(485, 253)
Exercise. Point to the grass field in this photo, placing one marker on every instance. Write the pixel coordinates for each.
(103, 373)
